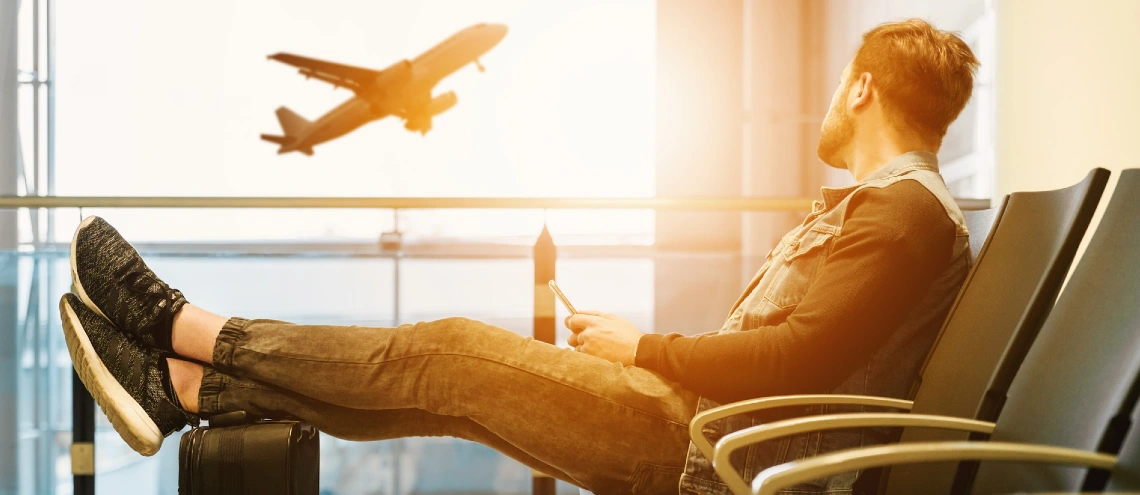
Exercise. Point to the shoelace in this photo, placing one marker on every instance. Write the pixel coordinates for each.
(147, 289)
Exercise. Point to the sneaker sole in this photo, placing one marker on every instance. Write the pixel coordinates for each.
(77, 287)
(126, 415)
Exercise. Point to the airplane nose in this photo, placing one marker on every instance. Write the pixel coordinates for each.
(500, 30)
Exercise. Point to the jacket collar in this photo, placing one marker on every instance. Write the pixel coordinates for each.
(902, 164)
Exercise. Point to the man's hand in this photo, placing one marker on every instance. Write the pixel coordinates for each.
(609, 337)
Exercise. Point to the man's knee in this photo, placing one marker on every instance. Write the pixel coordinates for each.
(457, 330)
(456, 322)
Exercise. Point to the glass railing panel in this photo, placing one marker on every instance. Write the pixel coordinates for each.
(299, 289)
(496, 291)
(329, 288)
(619, 286)
(36, 377)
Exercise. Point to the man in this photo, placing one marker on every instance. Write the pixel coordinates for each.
(848, 302)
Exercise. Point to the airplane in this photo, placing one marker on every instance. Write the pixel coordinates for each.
(404, 89)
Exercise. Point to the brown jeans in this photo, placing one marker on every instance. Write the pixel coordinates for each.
(599, 425)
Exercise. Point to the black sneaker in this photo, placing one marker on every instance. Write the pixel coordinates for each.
(129, 381)
(111, 279)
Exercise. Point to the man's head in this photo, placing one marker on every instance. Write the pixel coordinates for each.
(908, 79)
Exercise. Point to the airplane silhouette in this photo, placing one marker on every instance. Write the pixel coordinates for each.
(404, 89)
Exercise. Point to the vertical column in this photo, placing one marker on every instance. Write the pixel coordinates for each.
(9, 147)
(781, 126)
(699, 111)
(9, 438)
(50, 116)
(545, 257)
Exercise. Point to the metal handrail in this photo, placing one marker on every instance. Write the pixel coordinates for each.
(723, 204)
(458, 250)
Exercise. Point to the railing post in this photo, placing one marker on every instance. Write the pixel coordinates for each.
(545, 256)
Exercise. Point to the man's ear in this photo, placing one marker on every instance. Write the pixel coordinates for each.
(861, 92)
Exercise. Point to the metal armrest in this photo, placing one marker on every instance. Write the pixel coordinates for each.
(756, 434)
(775, 478)
(697, 425)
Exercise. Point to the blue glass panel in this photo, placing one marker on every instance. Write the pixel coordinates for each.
(35, 370)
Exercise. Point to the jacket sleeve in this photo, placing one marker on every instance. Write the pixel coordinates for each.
(894, 243)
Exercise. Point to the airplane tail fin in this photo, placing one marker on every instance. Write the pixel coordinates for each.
(293, 125)
(290, 122)
(282, 140)
(285, 141)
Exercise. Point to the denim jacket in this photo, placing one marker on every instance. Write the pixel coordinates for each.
(774, 293)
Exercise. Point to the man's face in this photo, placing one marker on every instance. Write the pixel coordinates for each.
(838, 126)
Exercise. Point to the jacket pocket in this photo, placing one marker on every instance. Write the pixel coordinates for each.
(798, 266)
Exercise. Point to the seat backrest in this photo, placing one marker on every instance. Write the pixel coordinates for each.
(1080, 375)
(1126, 476)
(1005, 297)
(1013, 282)
(979, 223)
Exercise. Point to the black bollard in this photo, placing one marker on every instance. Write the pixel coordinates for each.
(82, 438)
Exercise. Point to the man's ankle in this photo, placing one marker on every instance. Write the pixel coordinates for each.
(194, 332)
(186, 378)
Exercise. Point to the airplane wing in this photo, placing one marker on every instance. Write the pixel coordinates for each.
(340, 75)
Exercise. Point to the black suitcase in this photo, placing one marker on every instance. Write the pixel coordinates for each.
(236, 456)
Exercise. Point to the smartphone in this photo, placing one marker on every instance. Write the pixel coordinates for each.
(561, 297)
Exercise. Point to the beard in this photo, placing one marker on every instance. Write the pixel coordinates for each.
(837, 132)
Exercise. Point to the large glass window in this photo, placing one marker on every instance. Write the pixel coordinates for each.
(158, 99)
(967, 155)
(161, 99)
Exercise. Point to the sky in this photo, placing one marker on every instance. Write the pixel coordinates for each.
(158, 99)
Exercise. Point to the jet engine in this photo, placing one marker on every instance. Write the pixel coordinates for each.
(441, 103)
(420, 121)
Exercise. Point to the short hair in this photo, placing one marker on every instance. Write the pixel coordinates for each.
(925, 75)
